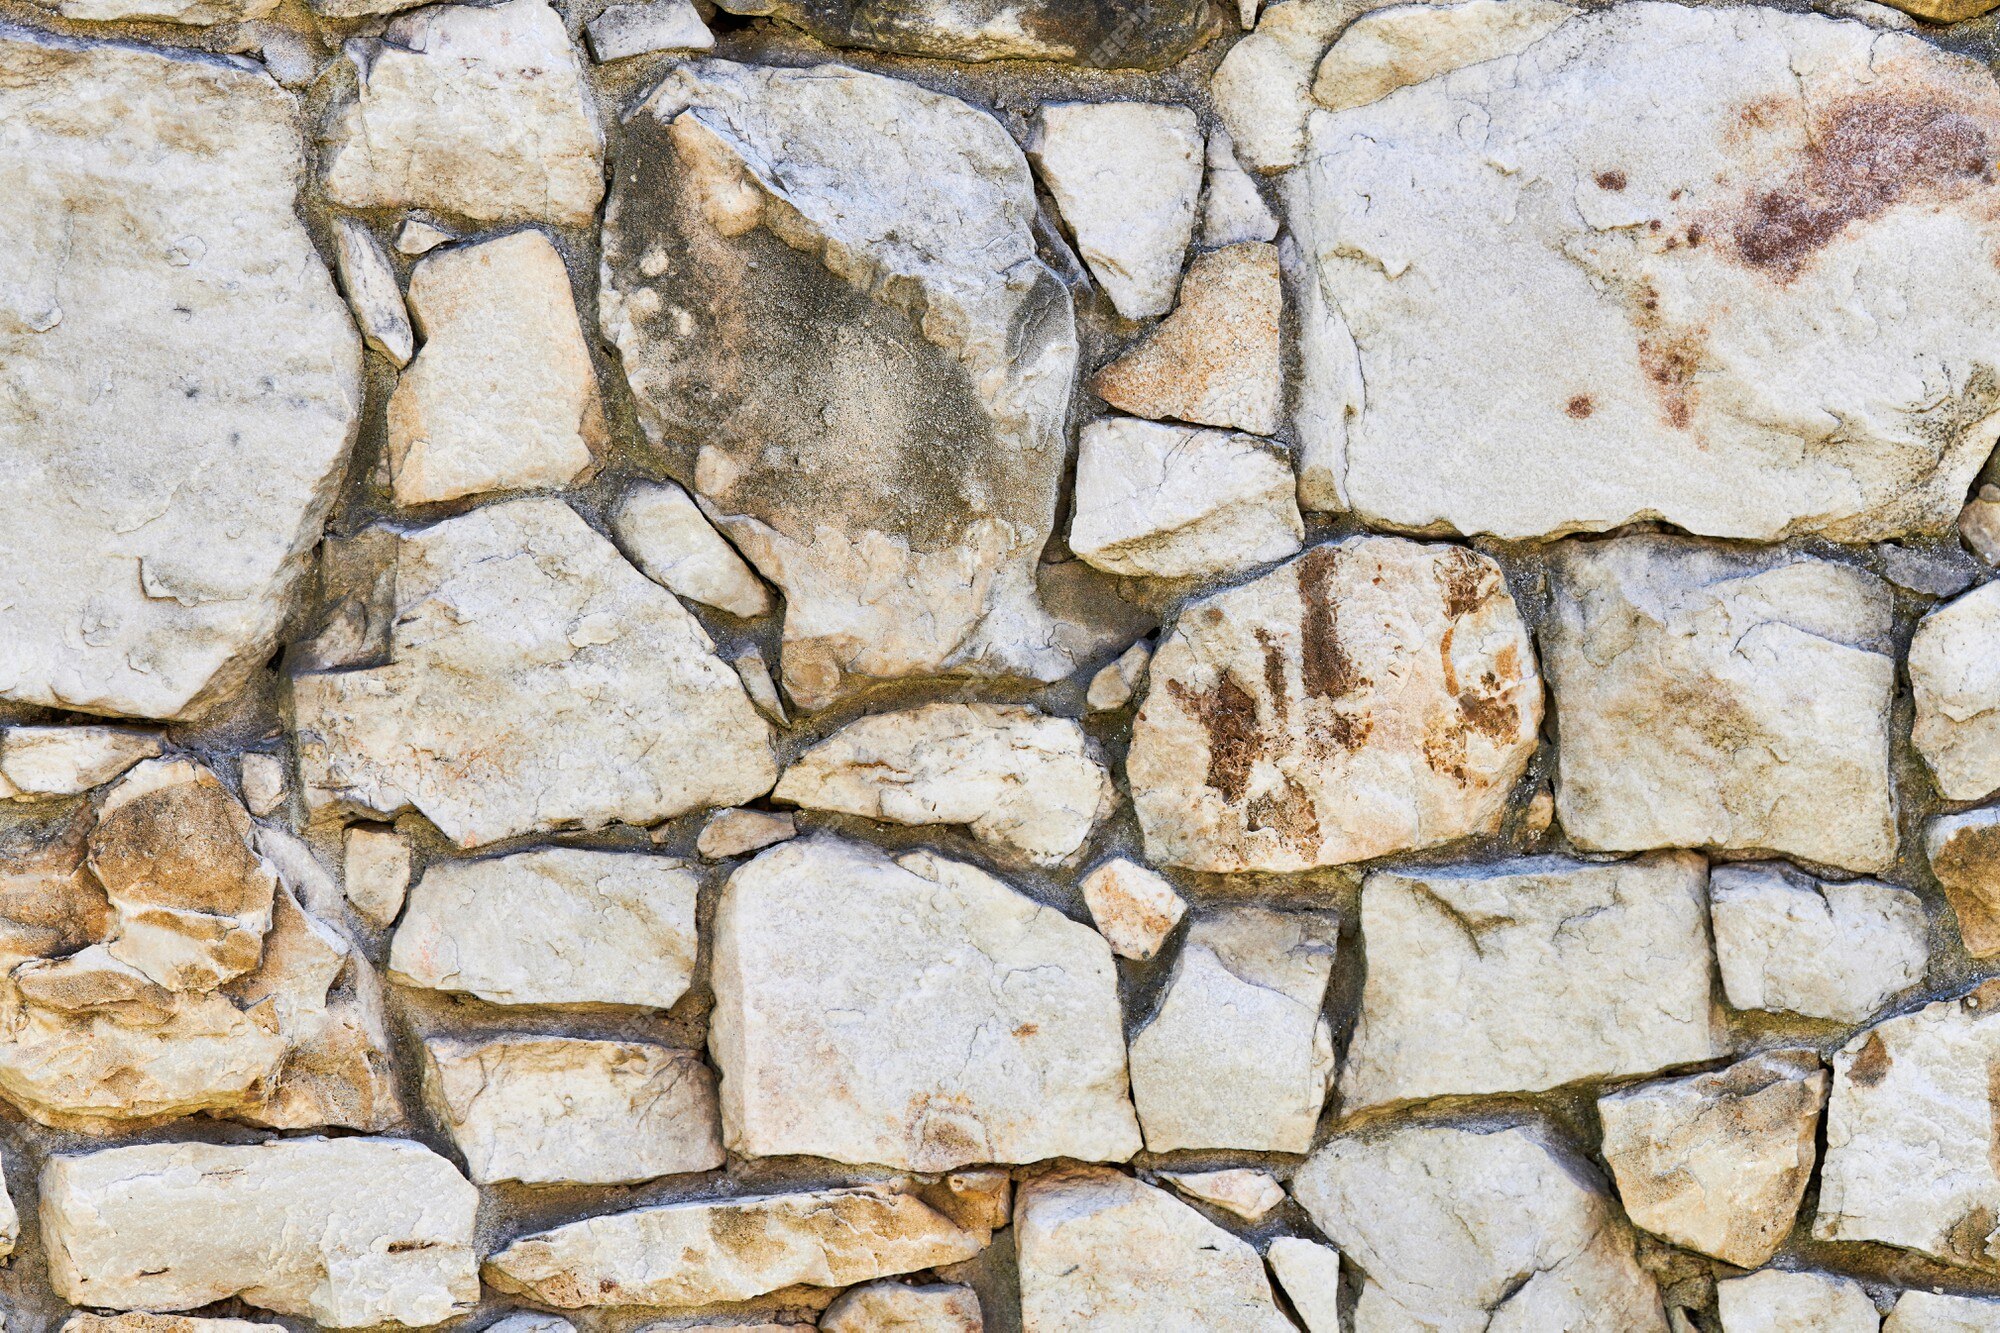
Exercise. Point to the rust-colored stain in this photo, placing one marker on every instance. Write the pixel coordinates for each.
(1871, 1062)
(1488, 711)
(1027, 1029)
(1580, 406)
(1291, 815)
(1670, 361)
(1274, 673)
(1613, 180)
(1228, 713)
(1325, 669)
(1444, 752)
(1465, 582)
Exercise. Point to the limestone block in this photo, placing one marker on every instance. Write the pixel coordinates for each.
(1778, 1301)
(1955, 675)
(1788, 942)
(676, 547)
(1134, 908)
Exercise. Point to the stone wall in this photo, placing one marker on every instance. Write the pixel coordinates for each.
(1032, 664)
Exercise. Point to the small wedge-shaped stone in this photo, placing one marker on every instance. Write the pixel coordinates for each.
(676, 547)
(1446, 1221)
(1026, 784)
(1777, 1301)
(372, 292)
(714, 1250)
(1239, 1054)
(1934, 1312)
(1108, 34)
(558, 1110)
(917, 1014)
(1371, 696)
(611, 702)
(481, 111)
(1724, 696)
(902, 1307)
(1233, 211)
(1717, 1163)
(1964, 854)
(1115, 683)
(739, 832)
(66, 761)
(503, 396)
(1955, 675)
(1245, 1193)
(1135, 909)
(1310, 1275)
(560, 926)
(1788, 942)
(344, 1232)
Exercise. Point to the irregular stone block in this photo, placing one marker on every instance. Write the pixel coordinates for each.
(1244, 1193)
(160, 1323)
(738, 832)
(1934, 1312)
(1788, 942)
(1401, 45)
(1955, 675)
(676, 547)
(1310, 1275)
(1777, 1301)
(1110, 34)
(1215, 360)
(1979, 524)
(1964, 854)
(1233, 210)
(900, 1307)
(372, 291)
(67, 761)
(1114, 684)
(265, 782)
(1134, 908)
(1262, 88)
(637, 30)
(376, 872)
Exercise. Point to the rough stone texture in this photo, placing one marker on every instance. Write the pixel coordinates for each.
(1964, 854)
(265, 779)
(479, 111)
(756, 677)
(1934, 1312)
(1114, 684)
(1775, 1301)
(372, 292)
(1955, 675)
(1712, 695)
(345, 1232)
(376, 872)
(900, 499)
(1244, 1193)
(1239, 1055)
(1408, 44)
(419, 236)
(640, 29)
(1444, 1222)
(900, 1307)
(1309, 1273)
(739, 832)
(1233, 210)
(1262, 87)
(154, 535)
(1097, 1249)
(503, 396)
(1216, 361)
(676, 547)
(1371, 696)
(1823, 200)
(1788, 942)
(161, 1323)
(614, 704)
(1028, 785)
(1176, 502)
(38, 762)
(917, 1014)
(1979, 524)
(1134, 908)
(601, 928)
(1111, 34)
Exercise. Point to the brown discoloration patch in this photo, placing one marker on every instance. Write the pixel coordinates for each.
(1967, 1241)
(1274, 674)
(1027, 1029)
(1613, 180)
(1228, 713)
(1291, 815)
(1444, 752)
(185, 846)
(1871, 1063)
(1670, 360)
(1336, 732)
(1968, 866)
(1581, 406)
(1465, 582)
(1489, 712)
(1325, 669)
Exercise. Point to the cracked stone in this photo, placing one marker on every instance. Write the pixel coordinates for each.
(39, 762)
(1233, 210)
(1409, 44)
(1777, 1301)
(1787, 942)
(1262, 87)
(419, 237)
(376, 872)
(755, 674)
(1964, 854)
(676, 547)
(372, 292)
(1934, 1312)
(1310, 1275)
(1954, 675)
(901, 1307)
(1107, 34)
(1134, 908)
(1243, 1193)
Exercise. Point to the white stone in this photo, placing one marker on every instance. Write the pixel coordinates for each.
(1245, 1193)
(376, 872)
(1791, 943)
(1310, 1275)
(1125, 176)
(1176, 502)
(345, 1232)
(531, 1321)
(419, 237)
(1446, 1221)
(1097, 1249)
(195, 13)
(1372, 696)
(502, 396)
(1711, 695)
(665, 535)
(640, 29)
(1660, 309)
(1934, 1312)
(609, 701)
(1979, 524)
(65, 761)
(738, 832)
(900, 1307)
(479, 111)
(1135, 909)
(1396, 47)
(1955, 675)
(265, 781)
(1777, 1301)
(1232, 208)
(559, 1110)
(1112, 687)
(1239, 1054)
(181, 382)
(917, 1014)
(755, 674)
(372, 292)
(1964, 854)
(558, 926)
(1262, 87)
(1026, 784)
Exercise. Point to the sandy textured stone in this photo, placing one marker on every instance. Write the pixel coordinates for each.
(1979, 524)
(1723, 696)
(265, 781)
(372, 291)
(667, 538)
(1134, 908)
(697, 1253)
(345, 1232)
(1908, 1132)
(479, 111)
(1310, 1275)
(1371, 696)
(917, 1014)
(154, 533)
(1692, 206)
(1098, 1249)
(1245, 1193)
(606, 928)
(557, 1110)
(1955, 675)
(1176, 502)
(738, 832)
(900, 1307)
(1112, 34)
(376, 872)
(1778, 1301)
(161, 1323)
(855, 327)
(1407, 44)
(64, 761)
(1239, 1054)
(1125, 176)
(1026, 784)
(1215, 360)
(1112, 687)
(1788, 942)
(1717, 1163)
(1934, 1312)
(1446, 1221)
(1964, 854)
(611, 702)
(1233, 210)
(640, 29)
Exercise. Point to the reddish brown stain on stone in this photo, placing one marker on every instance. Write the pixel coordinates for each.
(1464, 581)
(1613, 180)
(1325, 669)
(1444, 752)
(1228, 713)
(1581, 406)
(1290, 814)
(1670, 361)
(1489, 713)
(1274, 673)
(1871, 1062)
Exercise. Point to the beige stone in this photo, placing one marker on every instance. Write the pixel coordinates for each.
(420, 236)
(901, 1307)
(1406, 44)
(1954, 665)
(1964, 854)
(1979, 524)
(1310, 1275)
(372, 291)
(755, 674)
(676, 547)
(1780, 1301)
(1934, 1312)
(1112, 687)
(377, 872)
(66, 761)
(641, 29)
(265, 780)
(161, 1323)
(1233, 211)
(1134, 908)
(1788, 942)
(1262, 88)
(739, 832)
(1242, 1192)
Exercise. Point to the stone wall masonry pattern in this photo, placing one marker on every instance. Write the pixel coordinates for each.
(1021, 665)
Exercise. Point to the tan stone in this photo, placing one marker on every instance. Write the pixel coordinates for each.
(372, 292)
(1310, 1275)
(1935, 1312)
(1135, 909)
(739, 832)
(65, 761)
(1115, 683)
(376, 871)
(1964, 854)
(667, 536)
(1779, 1301)
(1405, 44)
(265, 781)
(1979, 524)
(82, 1322)
(1953, 674)
(902, 1307)
(1246, 1194)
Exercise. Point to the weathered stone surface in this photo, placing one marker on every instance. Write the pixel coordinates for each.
(558, 926)
(1979, 524)
(752, 670)
(419, 236)
(640, 29)
(1233, 210)
(1176, 502)
(1310, 1275)
(1717, 1163)
(1721, 696)
(345, 1232)
(713, 1250)
(669, 540)
(376, 872)
(154, 533)
(899, 496)
(1110, 34)
(1135, 909)
(1098, 1249)
(1372, 696)
(1555, 970)
(1214, 361)
(1445, 1221)
(503, 396)
(1788, 942)
(901, 1307)
(1908, 1131)
(1777, 1301)
(531, 1321)
(739, 832)
(1955, 675)
(1026, 784)
(1125, 176)
(161, 1323)
(265, 781)
(1245, 1193)
(611, 701)
(555, 1110)
(64, 761)
(1964, 853)
(1694, 206)
(1112, 687)
(372, 292)
(479, 111)
(1934, 1312)
(1405, 44)
(1239, 1055)
(917, 1014)
(1262, 87)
